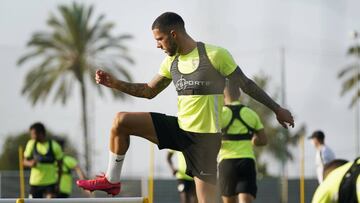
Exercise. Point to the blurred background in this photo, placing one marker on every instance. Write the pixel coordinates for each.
(305, 54)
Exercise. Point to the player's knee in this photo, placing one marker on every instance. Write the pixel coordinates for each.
(245, 198)
(120, 120)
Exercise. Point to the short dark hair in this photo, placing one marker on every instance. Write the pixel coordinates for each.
(319, 135)
(329, 167)
(38, 127)
(167, 21)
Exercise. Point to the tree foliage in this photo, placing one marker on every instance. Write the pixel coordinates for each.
(350, 76)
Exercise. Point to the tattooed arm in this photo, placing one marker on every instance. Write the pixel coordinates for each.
(238, 78)
(144, 90)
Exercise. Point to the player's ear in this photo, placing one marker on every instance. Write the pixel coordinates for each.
(173, 33)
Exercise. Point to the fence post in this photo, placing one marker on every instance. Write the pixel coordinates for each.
(21, 171)
(0, 184)
(151, 175)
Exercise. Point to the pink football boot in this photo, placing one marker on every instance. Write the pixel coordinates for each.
(100, 183)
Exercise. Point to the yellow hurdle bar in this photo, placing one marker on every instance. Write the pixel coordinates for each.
(78, 200)
(21, 173)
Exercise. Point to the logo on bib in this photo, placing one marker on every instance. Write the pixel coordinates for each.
(182, 83)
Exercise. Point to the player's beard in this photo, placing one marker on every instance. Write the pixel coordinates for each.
(173, 47)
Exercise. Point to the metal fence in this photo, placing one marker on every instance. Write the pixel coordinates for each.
(165, 190)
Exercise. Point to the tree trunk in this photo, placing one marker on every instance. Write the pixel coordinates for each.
(87, 151)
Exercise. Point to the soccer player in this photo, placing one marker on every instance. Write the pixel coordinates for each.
(242, 128)
(43, 156)
(198, 72)
(341, 183)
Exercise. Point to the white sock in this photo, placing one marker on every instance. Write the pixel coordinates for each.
(114, 167)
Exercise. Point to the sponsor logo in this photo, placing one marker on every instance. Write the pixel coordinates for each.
(182, 83)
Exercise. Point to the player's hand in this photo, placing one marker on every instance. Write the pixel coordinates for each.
(284, 117)
(104, 78)
(32, 163)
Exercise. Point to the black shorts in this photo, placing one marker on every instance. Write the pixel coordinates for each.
(41, 191)
(237, 176)
(200, 149)
(187, 186)
(62, 195)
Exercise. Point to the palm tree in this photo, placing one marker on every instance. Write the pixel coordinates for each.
(351, 76)
(69, 54)
(278, 139)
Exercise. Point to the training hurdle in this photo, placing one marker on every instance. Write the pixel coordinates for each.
(79, 200)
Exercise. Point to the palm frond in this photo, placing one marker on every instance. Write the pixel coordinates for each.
(124, 37)
(354, 50)
(126, 58)
(55, 23)
(101, 33)
(355, 99)
(110, 45)
(71, 20)
(348, 69)
(40, 80)
(349, 83)
(63, 92)
(94, 28)
(42, 41)
(30, 55)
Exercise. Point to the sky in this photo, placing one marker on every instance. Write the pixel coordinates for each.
(314, 36)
